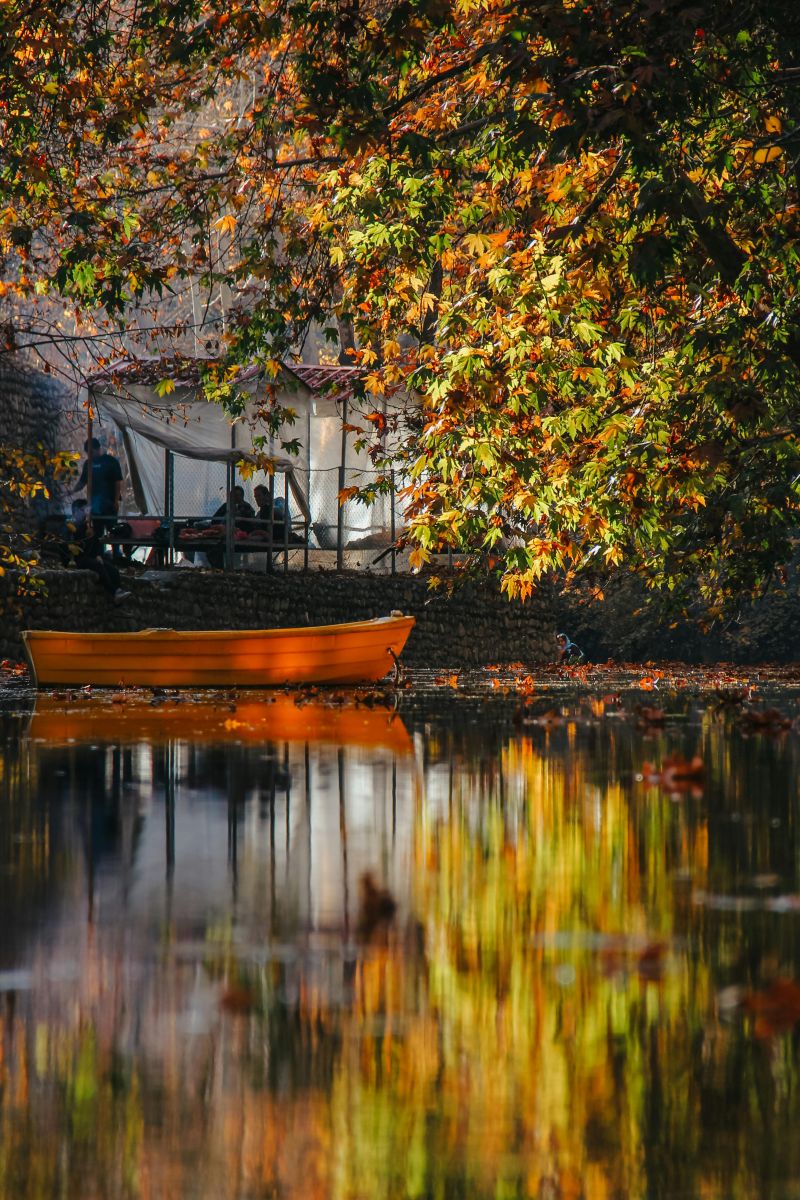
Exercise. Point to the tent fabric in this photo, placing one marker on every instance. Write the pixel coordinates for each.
(203, 438)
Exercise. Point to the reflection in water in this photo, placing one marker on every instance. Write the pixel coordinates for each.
(256, 949)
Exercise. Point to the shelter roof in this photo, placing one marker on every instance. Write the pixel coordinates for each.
(334, 381)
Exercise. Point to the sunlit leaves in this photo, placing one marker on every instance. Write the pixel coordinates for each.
(561, 242)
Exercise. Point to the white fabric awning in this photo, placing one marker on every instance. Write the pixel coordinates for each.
(191, 427)
(203, 437)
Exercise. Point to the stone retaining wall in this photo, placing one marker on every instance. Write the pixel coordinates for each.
(476, 626)
(33, 407)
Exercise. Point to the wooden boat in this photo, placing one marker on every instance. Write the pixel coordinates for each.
(355, 652)
(129, 718)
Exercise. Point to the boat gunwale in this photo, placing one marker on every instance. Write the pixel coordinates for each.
(156, 632)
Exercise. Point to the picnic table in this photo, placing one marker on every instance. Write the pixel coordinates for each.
(196, 534)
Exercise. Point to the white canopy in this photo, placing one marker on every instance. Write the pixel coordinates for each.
(203, 438)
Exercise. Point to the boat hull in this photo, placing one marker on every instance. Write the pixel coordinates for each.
(356, 652)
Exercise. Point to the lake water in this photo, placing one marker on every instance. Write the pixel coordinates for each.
(252, 947)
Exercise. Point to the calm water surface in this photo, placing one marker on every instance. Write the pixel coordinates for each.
(252, 949)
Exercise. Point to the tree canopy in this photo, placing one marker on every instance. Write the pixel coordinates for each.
(560, 237)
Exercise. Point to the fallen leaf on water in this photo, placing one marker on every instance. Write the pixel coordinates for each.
(620, 956)
(776, 1009)
(237, 999)
(677, 774)
(14, 668)
(548, 720)
(650, 961)
(650, 715)
(446, 681)
(764, 720)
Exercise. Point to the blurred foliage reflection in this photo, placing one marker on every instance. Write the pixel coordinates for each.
(511, 961)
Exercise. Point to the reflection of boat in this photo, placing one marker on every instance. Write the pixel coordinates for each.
(356, 652)
(282, 718)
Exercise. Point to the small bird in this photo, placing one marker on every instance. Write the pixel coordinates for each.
(377, 907)
(568, 652)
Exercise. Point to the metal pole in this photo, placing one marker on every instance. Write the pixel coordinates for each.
(307, 516)
(340, 522)
(306, 526)
(393, 527)
(340, 506)
(271, 522)
(171, 503)
(285, 523)
(231, 475)
(89, 523)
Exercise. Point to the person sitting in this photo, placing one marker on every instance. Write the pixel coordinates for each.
(264, 502)
(241, 508)
(568, 652)
(271, 512)
(75, 545)
(243, 516)
(282, 517)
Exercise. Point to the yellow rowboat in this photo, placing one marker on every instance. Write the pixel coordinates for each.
(355, 652)
(127, 718)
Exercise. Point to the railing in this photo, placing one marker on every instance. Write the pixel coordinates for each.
(335, 522)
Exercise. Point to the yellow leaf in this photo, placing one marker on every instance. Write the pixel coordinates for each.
(476, 243)
(226, 224)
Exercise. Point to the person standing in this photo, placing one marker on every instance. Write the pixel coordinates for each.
(106, 485)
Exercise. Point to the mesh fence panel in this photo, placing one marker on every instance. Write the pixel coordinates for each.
(358, 520)
(199, 488)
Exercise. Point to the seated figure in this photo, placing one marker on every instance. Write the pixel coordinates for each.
(271, 512)
(262, 498)
(74, 544)
(241, 509)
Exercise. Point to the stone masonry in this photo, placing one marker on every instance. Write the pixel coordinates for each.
(475, 626)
